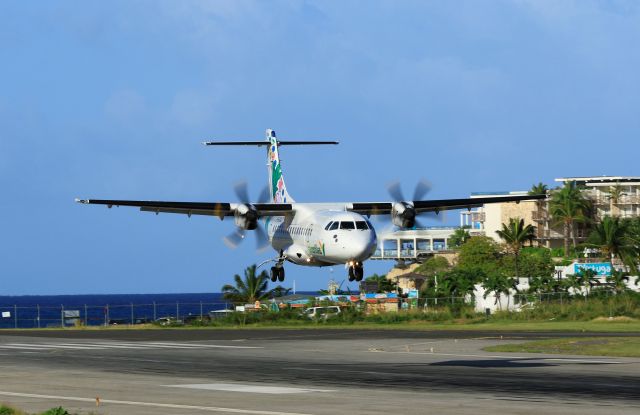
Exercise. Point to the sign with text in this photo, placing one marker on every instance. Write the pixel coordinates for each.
(600, 268)
(6, 314)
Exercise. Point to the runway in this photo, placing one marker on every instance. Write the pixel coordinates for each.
(305, 372)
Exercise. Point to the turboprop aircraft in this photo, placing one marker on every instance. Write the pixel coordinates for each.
(312, 234)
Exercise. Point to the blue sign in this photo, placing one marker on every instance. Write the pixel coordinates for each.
(600, 268)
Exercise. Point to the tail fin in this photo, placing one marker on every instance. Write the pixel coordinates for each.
(277, 187)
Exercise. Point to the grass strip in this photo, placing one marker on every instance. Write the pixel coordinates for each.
(591, 346)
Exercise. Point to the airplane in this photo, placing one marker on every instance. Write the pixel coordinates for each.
(310, 234)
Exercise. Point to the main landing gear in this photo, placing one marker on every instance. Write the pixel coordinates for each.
(277, 273)
(356, 272)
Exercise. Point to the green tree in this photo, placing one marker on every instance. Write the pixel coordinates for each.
(537, 266)
(514, 235)
(248, 290)
(568, 206)
(498, 284)
(614, 237)
(615, 194)
(458, 238)
(280, 291)
(385, 285)
(539, 189)
(433, 266)
(618, 279)
(587, 278)
(480, 255)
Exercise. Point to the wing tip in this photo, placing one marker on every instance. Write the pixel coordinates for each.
(83, 201)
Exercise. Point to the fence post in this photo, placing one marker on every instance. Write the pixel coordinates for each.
(155, 317)
(38, 307)
(15, 314)
(200, 310)
(131, 313)
(86, 317)
(177, 311)
(62, 315)
(106, 315)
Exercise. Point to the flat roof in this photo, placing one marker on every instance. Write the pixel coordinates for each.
(601, 179)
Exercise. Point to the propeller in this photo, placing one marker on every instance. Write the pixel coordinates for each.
(423, 187)
(241, 189)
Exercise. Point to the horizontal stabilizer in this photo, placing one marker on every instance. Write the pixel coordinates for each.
(266, 143)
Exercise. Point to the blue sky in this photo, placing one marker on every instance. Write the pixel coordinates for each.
(111, 100)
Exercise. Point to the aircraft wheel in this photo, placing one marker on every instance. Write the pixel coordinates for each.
(351, 274)
(274, 274)
(359, 273)
(280, 274)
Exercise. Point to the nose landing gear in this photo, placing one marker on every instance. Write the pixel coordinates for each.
(356, 272)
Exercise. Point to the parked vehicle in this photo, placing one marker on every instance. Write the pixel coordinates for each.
(168, 321)
(322, 312)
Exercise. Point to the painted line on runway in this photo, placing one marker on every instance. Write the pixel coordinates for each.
(149, 404)
(248, 388)
(480, 356)
(51, 346)
(215, 346)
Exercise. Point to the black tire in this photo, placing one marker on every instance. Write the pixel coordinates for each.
(274, 274)
(351, 274)
(280, 274)
(359, 273)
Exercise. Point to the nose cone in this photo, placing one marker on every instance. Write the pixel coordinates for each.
(364, 245)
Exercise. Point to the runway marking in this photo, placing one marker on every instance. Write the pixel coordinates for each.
(251, 388)
(149, 404)
(501, 357)
(118, 345)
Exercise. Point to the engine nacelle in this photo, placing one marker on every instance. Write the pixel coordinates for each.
(403, 215)
(246, 217)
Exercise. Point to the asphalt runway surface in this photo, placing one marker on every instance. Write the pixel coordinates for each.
(306, 372)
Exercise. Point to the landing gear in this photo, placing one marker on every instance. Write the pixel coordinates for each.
(277, 273)
(356, 272)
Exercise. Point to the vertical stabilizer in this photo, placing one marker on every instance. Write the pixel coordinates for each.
(277, 187)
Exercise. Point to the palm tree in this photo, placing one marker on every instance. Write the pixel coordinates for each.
(568, 206)
(587, 278)
(497, 284)
(459, 237)
(384, 283)
(614, 238)
(515, 234)
(618, 279)
(248, 290)
(615, 195)
(539, 189)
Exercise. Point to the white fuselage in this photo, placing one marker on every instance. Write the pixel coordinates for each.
(320, 236)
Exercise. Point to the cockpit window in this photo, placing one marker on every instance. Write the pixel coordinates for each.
(362, 225)
(326, 228)
(347, 225)
(334, 226)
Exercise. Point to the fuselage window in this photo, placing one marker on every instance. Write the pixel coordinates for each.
(334, 226)
(347, 225)
(362, 225)
(326, 228)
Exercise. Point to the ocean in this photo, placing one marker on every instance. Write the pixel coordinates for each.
(31, 311)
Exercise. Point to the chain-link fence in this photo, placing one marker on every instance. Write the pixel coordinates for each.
(37, 316)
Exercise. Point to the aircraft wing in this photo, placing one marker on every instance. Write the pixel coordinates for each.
(383, 208)
(219, 209)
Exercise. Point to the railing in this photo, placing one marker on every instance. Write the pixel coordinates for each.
(37, 316)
